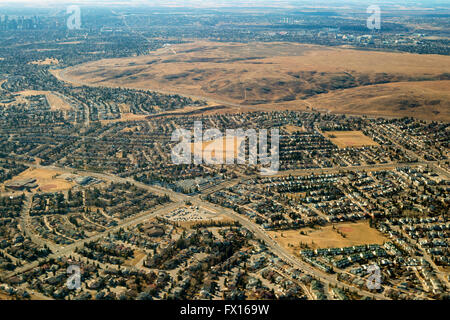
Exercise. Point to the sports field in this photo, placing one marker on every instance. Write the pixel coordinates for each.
(218, 150)
(48, 180)
(345, 139)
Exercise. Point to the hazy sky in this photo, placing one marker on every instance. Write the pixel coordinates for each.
(202, 3)
(212, 3)
(181, 2)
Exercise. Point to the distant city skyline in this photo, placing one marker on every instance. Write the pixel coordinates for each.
(238, 3)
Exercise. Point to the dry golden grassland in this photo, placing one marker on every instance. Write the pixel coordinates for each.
(344, 139)
(429, 100)
(218, 150)
(326, 237)
(293, 129)
(268, 76)
(138, 256)
(191, 224)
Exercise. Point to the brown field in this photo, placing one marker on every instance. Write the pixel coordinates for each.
(55, 101)
(138, 255)
(190, 224)
(219, 149)
(46, 62)
(344, 139)
(276, 75)
(47, 179)
(293, 129)
(326, 237)
(428, 100)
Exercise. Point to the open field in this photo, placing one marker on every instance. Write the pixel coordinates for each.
(281, 75)
(56, 102)
(138, 256)
(292, 129)
(47, 179)
(428, 100)
(219, 218)
(46, 62)
(344, 139)
(326, 237)
(211, 109)
(126, 117)
(218, 150)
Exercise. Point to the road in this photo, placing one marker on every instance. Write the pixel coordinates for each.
(279, 251)
(179, 200)
(67, 250)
